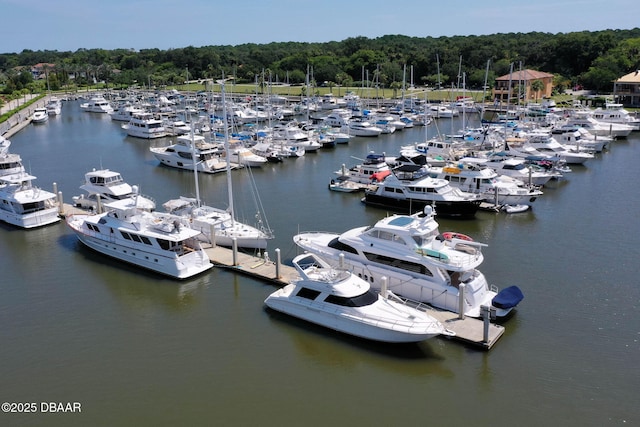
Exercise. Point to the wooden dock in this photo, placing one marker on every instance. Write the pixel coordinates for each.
(469, 330)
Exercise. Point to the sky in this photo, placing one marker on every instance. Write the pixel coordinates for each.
(69, 25)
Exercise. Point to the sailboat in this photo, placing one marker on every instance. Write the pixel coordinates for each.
(219, 226)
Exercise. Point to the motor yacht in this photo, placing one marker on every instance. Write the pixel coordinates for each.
(409, 188)
(410, 255)
(97, 104)
(159, 242)
(475, 177)
(40, 115)
(105, 186)
(342, 301)
(23, 204)
(357, 127)
(145, 125)
(54, 106)
(209, 157)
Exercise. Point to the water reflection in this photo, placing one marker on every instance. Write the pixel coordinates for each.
(332, 348)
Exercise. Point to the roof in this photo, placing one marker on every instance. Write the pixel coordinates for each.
(633, 77)
(526, 75)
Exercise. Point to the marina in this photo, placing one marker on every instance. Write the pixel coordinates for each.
(74, 319)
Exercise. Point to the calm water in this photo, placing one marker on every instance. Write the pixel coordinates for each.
(137, 349)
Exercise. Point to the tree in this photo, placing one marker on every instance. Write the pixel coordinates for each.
(536, 87)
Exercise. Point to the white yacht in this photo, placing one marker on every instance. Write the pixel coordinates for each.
(474, 177)
(545, 144)
(409, 188)
(97, 104)
(292, 136)
(145, 125)
(242, 155)
(40, 115)
(515, 167)
(24, 205)
(373, 168)
(586, 120)
(162, 243)
(176, 127)
(208, 156)
(54, 106)
(339, 300)
(417, 262)
(105, 186)
(124, 112)
(357, 127)
(615, 113)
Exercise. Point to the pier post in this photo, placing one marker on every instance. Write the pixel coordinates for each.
(60, 204)
(384, 287)
(278, 261)
(212, 235)
(487, 313)
(461, 301)
(234, 247)
(484, 311)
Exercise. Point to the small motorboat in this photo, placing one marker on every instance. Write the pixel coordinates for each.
(339, 300)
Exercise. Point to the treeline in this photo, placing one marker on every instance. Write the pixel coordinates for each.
(589, 59)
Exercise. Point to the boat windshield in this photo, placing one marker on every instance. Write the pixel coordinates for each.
(363, 300)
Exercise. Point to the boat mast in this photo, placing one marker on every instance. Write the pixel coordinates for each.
(226, 148)
(195, 167)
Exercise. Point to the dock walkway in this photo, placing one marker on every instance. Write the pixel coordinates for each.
(468, 330)
(475, 332)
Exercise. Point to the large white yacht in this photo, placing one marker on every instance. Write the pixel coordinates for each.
(97, 104)
(409, 188)
(209, 157)
(104, 186)
(145, 125)
(417, 262)
(474, 177)
(615, 113)
(357, 127)
(339, 300)
(160, 242)
(517, 168)
(24, 205)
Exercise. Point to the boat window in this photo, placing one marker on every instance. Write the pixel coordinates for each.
(145, 240)
(365, 299)
(164, 244)
(398, 263)
(307, 293)
(336, 244)
(125, 235)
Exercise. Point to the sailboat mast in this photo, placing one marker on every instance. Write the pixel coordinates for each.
(195, 167)
(226, 148)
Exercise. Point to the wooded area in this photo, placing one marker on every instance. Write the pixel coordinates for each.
(592, 60)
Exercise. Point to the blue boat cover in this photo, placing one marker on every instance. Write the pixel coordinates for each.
(508, 297)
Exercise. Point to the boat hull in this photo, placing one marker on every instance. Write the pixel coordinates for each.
(178, 267)
(348, 323)
(31, 220)
(465, 209)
